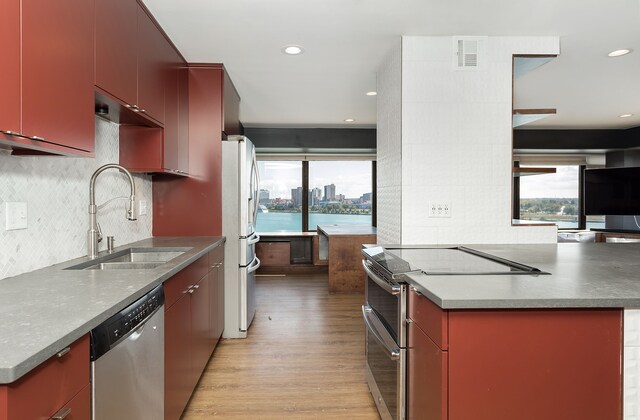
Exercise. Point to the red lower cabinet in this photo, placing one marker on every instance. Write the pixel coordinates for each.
(59, 385)
(529, 364)
(191, 329)
(178, 380)
(427, 377)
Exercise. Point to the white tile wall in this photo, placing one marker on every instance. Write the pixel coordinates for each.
(389, 179)
(56, 190)
(631, 361)
(455, 143)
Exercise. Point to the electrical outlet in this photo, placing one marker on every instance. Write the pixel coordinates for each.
(439, 209)
(15, 215)
(142, 207)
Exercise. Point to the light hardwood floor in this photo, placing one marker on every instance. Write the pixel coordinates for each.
(303, 358)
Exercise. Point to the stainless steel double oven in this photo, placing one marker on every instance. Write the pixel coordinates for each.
(384, 314)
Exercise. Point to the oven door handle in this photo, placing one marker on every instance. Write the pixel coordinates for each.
(393, 289)
(375, 327)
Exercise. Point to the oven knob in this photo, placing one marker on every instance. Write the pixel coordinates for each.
(115, 332)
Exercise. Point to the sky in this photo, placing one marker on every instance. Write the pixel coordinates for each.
(351, 178)
(562, 184)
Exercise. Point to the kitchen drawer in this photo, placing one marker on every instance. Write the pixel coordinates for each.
(176, 286)
(216, 255)
(79, 408)
(43, 391)
(429, 317)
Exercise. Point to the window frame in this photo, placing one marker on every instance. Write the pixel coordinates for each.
(305, 159)
(582, 218)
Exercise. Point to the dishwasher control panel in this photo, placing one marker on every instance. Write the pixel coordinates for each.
(120, 325)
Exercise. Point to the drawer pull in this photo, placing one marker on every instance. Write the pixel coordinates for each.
(64, 351)
(37, 138)
(61, 414)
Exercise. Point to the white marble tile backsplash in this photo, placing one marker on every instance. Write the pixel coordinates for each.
(56, 190)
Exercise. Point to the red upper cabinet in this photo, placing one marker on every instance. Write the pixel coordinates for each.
(47, 93)
(10, 80)
(231, 108)
(151, 67)
(116, 26)
(155, 150)
(129, 56)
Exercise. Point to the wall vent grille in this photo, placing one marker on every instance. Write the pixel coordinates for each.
(468, 53)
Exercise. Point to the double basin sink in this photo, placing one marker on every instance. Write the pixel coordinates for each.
(132, 259)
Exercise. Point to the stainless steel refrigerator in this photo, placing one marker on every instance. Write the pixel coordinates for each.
(240, 188)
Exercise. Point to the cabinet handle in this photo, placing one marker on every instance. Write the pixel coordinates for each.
(62, 352)
(141, 110)
(61, 414)
(195, 286)
(127, 106)
(190, 291)
(10, 133)
(37, 138)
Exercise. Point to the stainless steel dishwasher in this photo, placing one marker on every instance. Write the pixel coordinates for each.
(127, 362)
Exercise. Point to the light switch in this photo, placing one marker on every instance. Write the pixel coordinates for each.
(15, 215)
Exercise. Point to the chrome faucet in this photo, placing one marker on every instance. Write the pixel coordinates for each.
(95, 233)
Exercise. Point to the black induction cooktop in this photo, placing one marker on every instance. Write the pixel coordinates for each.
(457, 260)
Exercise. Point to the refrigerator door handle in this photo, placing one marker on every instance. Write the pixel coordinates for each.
(255, 264)
(253, 239)
(256, 186)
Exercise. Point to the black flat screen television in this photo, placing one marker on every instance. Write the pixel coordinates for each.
(612, 191)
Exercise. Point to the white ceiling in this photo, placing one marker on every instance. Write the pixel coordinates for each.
(346, 40)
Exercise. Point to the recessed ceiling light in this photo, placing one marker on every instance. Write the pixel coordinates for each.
(619, 53)
(372, 93)
(625, 115)
(292, 49)
(349, 120)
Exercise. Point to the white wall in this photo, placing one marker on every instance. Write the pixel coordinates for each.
(455, 142)
(389, 148)
(56, 190)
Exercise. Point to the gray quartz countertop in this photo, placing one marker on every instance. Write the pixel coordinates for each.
(330, 230)
(44, 311)
(581, 275)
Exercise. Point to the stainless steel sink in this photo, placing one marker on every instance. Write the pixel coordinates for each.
(124, 266)
(132, 259)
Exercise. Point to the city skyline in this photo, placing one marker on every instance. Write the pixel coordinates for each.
(351, 178)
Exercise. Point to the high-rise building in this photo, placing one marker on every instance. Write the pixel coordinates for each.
(263, 197)
(315, 196)
(340, 197)
(366, 198)
(330, 192)
(296, 197)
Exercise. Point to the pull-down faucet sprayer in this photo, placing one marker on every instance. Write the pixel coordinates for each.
(94, 233)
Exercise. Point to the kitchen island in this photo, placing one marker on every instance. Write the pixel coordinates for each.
(340, 245)
(528, 346)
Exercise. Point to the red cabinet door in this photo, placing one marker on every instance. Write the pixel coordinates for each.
(116, 57)
(183, 118)
(79, 408)
(151, 65)
(171, 141)
(201, 327)
(427, 377)
(41, 392)
(10, 80)
(57, 72)
(178, 377)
